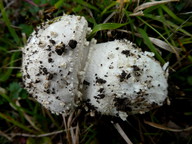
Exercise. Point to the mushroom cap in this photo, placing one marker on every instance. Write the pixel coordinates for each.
(122, 80)
(53, 62)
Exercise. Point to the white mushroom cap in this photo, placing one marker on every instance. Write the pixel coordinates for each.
(52, 61)
(122, 80)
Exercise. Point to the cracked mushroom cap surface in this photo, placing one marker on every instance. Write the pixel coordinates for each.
(53, 62)
(122, 80)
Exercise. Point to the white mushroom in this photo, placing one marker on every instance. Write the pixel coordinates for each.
(54, 62)
(119, 79)
(122, 80)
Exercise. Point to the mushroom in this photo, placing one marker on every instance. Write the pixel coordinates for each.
(54, 61)
(122, 80)
(116, 78)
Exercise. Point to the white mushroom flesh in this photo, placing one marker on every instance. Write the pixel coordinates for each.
(121, 80)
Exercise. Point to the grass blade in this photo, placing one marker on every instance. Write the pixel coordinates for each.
(85, 4)
(177, 55)
(169, 23)
(8, 24)
(106, 26)
(150, 45)
(171, 14)
(108, 7)
(5, 75)
(16, 123)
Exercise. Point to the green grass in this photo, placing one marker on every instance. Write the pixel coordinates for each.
(24, 120)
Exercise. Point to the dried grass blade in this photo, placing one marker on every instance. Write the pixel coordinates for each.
(158, 126)
(77, 134)
(68, 135)
(27, 117)
(73, 138)
(150, 4)
(139, 13)
(122, 133)
(36, 136)
(164, 45)
(5, 135)
(157, 42)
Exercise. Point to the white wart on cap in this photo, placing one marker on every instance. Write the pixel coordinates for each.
(122, 80)
(54, 61)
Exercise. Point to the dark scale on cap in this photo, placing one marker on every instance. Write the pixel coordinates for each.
(29, 85)
(117, 48)
(60, 49)
(53, 91)
(69, 73)
(47, 91)
(126, 52)
(37, 81)
(38, 74)
(40, 43)
(49, 55)
(111, 67)
(34, 52)
(26, 67)
(154, 104)
(72, 44)
(149, 76)
(101, 90)
(50, 76)
(29, 39)
(86, 82)
(136, 68)
(45, 70)
(99, 96)
(52, 41)
(137, 74)
(35, 96)
(122, 104)
(50, 60)
(124, 76)
(24, 77)
(28, 76)
(49, 48)
(100, 80)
